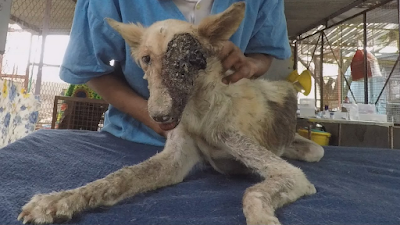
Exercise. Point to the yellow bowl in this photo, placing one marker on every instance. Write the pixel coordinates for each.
(321, 138)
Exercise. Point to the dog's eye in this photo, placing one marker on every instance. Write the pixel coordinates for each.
(146, 59)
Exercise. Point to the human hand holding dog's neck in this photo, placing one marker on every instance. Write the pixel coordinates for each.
(249, 66)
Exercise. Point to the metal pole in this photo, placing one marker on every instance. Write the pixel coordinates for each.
(398, 19)
(26, 79)
(295, 55)
(365, 60)
(321, 81)
(398, 50)
(339, 80)
(45, 31)
(1, 64)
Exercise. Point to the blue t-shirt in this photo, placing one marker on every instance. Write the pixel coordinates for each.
(93, 44)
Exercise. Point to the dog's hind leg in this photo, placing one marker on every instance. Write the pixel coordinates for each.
(283, 182)
(165, 168)
(304, 149)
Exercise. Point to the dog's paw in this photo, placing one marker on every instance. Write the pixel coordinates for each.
(310, 189)
(50, 208)
(303, 186)
(257, 209)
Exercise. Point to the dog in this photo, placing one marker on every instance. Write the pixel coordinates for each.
(246, 126)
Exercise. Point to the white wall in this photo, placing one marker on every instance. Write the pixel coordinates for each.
(5, 11)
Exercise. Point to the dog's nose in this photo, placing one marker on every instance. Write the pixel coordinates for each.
(162, 119)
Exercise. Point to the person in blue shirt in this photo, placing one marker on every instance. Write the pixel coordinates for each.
(93, 44)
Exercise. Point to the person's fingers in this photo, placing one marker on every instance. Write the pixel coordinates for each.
(226, 49)
(243, 72)
(231, 61)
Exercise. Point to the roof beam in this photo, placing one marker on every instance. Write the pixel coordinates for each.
(333, 15)
(25, 24)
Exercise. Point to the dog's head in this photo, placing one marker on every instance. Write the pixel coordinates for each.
(172, 53)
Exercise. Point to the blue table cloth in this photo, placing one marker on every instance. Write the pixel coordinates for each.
(355, 186)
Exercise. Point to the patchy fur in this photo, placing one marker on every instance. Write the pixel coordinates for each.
(237, 128)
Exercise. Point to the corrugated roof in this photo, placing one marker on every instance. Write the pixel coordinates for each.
(302, 15)
(382, 34)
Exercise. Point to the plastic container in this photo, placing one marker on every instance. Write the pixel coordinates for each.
(366, 108)
(352, 110)
(307, 107)
(307, 102)
(373, 117)
(306, 112)
(319, 137)
(340, 115)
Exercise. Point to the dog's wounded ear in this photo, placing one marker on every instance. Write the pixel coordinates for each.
(131, 33)
(220, 27)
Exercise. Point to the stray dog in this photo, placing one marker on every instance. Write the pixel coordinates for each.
(246, 125)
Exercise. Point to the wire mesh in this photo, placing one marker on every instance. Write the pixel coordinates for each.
(383, 44)
(62, 12)
(78, 113)
(48, 91)
(30, 15)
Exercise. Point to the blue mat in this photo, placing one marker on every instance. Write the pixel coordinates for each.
(355, 186)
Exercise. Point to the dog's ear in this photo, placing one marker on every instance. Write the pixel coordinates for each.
(220, 27)
(131, 33)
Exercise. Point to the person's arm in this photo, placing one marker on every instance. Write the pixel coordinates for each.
(262, 62)
(121, 96)
(93, 44)
(249, 66)
(269, 41)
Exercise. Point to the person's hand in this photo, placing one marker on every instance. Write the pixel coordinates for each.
(234, 59)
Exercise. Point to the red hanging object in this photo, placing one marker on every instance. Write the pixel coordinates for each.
(357, 65)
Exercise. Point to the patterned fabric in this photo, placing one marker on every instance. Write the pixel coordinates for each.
(19, 112)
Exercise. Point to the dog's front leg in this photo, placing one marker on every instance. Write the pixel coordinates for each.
(283, 182)
(165, 168)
